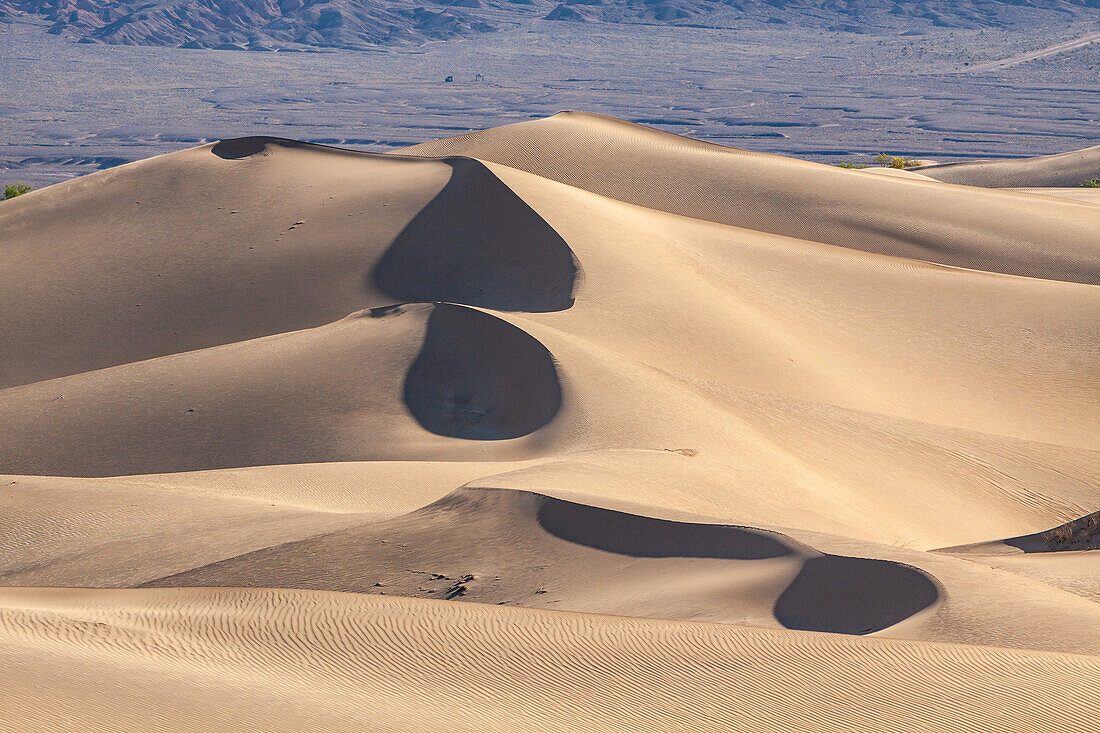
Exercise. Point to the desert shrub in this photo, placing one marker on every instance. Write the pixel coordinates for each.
(853, 166)
(896, 161)
(1091, 183)
(15, 189)
(1080, 534)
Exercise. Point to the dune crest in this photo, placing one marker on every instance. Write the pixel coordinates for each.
(1082, 533)
(477, 243)
(360, 388)
(1063, 169)
(984, 230)
(521, 548)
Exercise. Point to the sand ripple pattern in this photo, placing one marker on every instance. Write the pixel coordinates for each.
(462, 667)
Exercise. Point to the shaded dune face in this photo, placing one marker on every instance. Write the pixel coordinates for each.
(831, 593)
(243, 147)
(478, 243)
(521, 548)
(879, 214)
(1082, 533)
(351, 390)
(251, 237)
(795, 408)
(639, 536)
(479, 378)
(853, 595)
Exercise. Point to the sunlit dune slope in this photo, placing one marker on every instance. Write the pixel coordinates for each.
(293, 660)
(219, 244)
(985, 229)
(1064, 169)
(519, 548)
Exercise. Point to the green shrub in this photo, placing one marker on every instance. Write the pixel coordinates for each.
(894, 161)
(853, 166)
(15, 189)
(1091, 183)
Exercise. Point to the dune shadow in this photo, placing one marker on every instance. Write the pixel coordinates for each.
(242, 147)
(1082, 533)
(478, 243)
(638, 536)
(480, 378)
(853, 595)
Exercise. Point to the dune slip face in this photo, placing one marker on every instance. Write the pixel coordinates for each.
(566, 425)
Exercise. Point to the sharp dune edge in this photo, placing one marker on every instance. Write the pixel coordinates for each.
(566, 425)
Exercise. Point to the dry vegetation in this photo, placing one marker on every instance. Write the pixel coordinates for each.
(1080, 534)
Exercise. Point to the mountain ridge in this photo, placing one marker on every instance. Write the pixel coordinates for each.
(310, 24)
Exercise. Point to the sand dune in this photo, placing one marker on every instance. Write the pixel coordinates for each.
(1064, 169)
(193, 250)
(575, 366)
(520, 548)
(508, 260)
(1059, 556)
(1082, 533)
(987, 230)
(358, 389)
(68, 532)
(1081, 193)
(325, 661)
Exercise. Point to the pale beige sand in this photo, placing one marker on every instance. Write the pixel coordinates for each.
(520, 548)
(1064, 169)
(1071, 571)
(600, 370)
(1064, 556)
(987, 229)
(1082, 194)
(232, 660)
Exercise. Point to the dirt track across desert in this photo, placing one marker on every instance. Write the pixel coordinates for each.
(1037, 54)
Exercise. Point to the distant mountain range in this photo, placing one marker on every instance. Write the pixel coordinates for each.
(252, 24)
(304, 24)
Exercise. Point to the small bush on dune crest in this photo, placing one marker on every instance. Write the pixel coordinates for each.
(1091, 183)
(853, 166)
(16, 189)
(895, 161)
(1080, 534)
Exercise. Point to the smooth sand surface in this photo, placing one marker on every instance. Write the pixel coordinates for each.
(1083, 194)
(566, 425)
(1064, 169)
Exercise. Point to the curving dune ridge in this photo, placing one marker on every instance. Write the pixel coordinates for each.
(565, 425)
(1064, 169)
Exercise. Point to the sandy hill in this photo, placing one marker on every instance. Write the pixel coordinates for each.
(736, 438)
(1062, 170)
(769, 193)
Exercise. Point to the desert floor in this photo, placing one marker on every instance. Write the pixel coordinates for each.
(67, 108)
